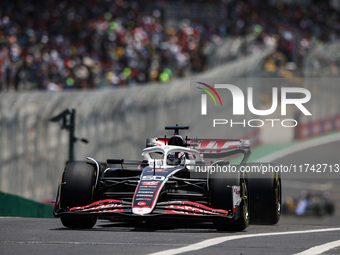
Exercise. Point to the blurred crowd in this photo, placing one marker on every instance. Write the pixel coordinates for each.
(292, 29)
(57, 45)
(60, 45)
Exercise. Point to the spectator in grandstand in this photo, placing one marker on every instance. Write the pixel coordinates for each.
(60, 45)
(63, 45)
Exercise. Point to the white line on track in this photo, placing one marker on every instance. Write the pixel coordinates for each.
(300, 146)
(219, 240)
(320, 248)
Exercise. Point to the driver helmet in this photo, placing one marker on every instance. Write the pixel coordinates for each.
(173, 160)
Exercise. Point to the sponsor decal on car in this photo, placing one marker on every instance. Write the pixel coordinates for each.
(150, 183)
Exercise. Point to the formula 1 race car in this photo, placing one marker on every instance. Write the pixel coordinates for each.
(309, 204)
(178, 178)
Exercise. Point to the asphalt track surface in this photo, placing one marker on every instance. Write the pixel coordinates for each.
(303, 235)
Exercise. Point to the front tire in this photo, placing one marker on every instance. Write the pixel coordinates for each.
(77, 189)
(265, 194)
(222, 198)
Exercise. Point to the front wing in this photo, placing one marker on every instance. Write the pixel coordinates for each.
(119, 208)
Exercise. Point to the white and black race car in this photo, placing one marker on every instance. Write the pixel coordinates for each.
(181, 178)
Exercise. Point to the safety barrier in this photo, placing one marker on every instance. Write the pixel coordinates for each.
(319, 127)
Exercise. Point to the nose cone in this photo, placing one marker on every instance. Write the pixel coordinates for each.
(141, 211)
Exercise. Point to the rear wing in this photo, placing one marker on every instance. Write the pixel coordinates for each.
(211, 148)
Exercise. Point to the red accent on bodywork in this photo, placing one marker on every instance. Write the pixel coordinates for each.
(192, 208)
(150, 183)
(109, 211)
(208, 144)
(111, 201)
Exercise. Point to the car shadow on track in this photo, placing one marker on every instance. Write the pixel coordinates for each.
(157, 225)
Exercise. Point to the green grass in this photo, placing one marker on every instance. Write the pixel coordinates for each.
(16, 206)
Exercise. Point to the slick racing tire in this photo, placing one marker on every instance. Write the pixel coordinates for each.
(329, 208)
(221, 195)
(77, 189)
(264, 194)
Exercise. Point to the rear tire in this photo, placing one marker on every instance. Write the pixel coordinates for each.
(329, 207)
(77, 189)
(222, 198)
(265, 196)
